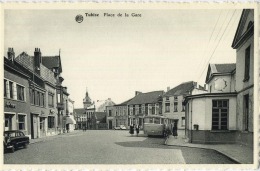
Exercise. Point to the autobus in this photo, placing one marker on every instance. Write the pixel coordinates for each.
(154, 125)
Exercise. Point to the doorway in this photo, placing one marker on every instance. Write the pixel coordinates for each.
(8, 122)
(110, 124)
(34, 126)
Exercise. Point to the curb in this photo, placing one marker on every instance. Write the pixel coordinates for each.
(231, 158)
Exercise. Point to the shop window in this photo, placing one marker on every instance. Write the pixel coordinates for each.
(20, 93)
(21, 122)
(247, 64)
(219, 114)
(51, 121)
(167, 107)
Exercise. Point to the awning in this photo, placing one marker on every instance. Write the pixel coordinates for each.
(70, 121)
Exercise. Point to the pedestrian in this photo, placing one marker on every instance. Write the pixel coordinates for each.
(137, 130)
(131, 131)
(174, 131)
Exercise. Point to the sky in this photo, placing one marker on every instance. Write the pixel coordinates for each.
(113, 57)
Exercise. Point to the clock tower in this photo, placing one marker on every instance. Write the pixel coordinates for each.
(87, 100)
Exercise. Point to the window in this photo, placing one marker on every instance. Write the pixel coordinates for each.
(157, 120)
(175, 106)
(182, 121)
(11, 89)
(246, 111)
(21, 122)
(146, 109)
(20, 92)
(167, 98)
(140, 109)
(219, 114)
(247, 64)
(37, 98)
(167, 107)
(183, 107)
(51, 121)
(32, 95)
(175, 98)
(109, 113)
(42, 99)
(134, 110)
(153, 109)
(210, 89)
(50, 100)
(5, 90)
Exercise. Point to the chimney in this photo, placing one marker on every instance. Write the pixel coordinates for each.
(194, 84)
(137, 93)
(109, 99)
(37, 60)
(205, 86)
(11, 54)
(168, 89)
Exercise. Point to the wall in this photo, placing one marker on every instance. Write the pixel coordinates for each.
(20, 106)
(220, 84)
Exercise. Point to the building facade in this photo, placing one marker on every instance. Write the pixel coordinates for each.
(144, 104)
(172, 102)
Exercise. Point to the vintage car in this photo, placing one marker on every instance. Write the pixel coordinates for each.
(122, 127)
(116, 128)
(15, 139)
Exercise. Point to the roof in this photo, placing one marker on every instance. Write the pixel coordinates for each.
(181, 89)
(219, 69)
(101, 116)
(51, 62)
(79, 111)
(224, 68)
(13, 66)
(100, 105)
(124, 103)
(245, 28)
(144, 98)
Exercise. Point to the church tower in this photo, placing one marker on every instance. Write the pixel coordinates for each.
(87, 100)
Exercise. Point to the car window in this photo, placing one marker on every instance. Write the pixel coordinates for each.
(10, 134)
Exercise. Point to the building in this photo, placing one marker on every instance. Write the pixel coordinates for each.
(81, 118)
(143, 104)
(16, 96)
(244, 44)
(225, 114)
(70, 120)
(172, 102)
(211, 116)
(91, 116)
(117, 115)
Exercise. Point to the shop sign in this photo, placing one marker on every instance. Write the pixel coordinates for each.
(10, 105)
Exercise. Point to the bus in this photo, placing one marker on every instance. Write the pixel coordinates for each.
(154, 125)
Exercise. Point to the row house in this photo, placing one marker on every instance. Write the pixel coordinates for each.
(172, 100)
(225, 113)
(117, 115)
(144, 104)
(43, 81)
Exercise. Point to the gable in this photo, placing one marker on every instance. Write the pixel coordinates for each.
(245, 28)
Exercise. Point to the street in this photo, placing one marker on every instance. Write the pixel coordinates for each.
(110, 147)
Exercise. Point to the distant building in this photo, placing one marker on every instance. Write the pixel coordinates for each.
(93, 113)
(172, 102)
(143, 104)
(117, 115)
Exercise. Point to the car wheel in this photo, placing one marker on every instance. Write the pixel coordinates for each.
(25, 145)
(12, 149)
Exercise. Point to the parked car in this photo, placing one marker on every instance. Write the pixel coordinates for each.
(116, 128)
(15, 139)
(122, 127)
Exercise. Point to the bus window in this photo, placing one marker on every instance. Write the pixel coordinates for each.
(148, 120)
(157, 120)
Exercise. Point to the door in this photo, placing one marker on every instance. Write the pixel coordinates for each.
(42, 126)
(34, 126)
(110, 124)
(8, 122)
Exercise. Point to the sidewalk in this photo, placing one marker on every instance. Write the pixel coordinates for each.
(239, 153)
(42, 139)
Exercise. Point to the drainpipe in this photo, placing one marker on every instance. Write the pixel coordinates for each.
(191, 121)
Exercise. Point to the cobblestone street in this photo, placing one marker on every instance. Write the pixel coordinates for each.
(110, 147)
